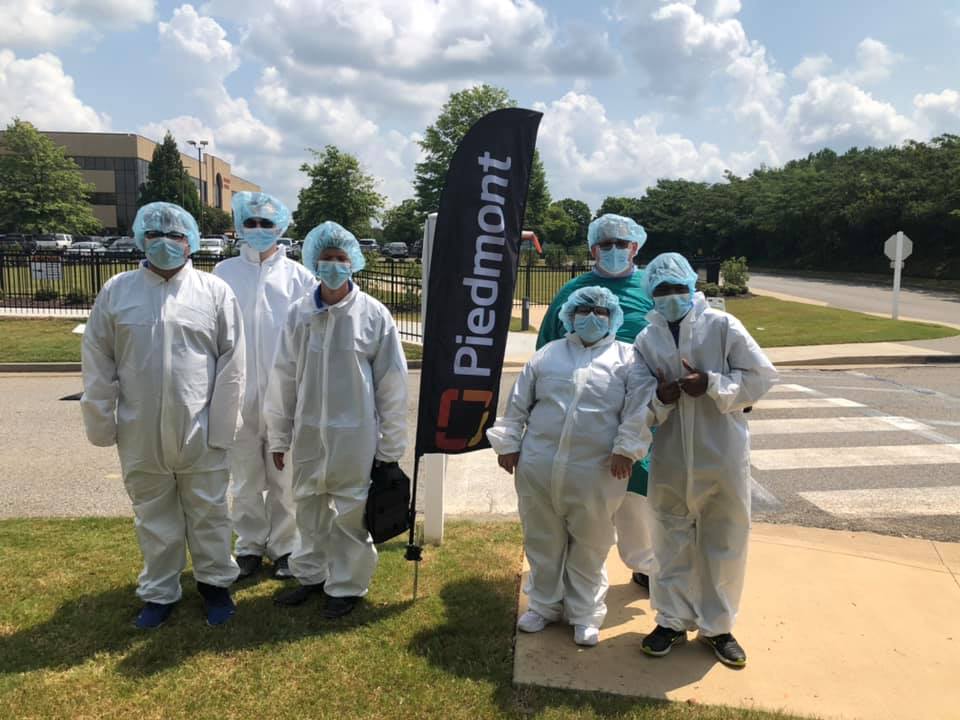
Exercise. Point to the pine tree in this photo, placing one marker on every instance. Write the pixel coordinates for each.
(168, 180)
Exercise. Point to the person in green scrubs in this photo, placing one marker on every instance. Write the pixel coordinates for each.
(614, 241)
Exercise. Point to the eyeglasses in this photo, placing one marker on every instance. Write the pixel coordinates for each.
(619, 244)
(258, 222)
(587, 309)
(156, 234)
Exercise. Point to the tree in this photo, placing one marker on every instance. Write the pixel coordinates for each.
(440, 141)
(168, 181)
(559, 229)
(340, 191)
(41, 189)
(579, 212)
(216, 221)
(403, 223)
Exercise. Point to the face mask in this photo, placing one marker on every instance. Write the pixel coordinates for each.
(166, 254)
(673, 307)
(333, 274)
(260, 239)
(615, 260)
(591, 327)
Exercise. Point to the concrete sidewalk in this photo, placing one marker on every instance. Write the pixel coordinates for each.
(835, 625)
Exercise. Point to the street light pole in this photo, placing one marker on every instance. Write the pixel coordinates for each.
(199, 144)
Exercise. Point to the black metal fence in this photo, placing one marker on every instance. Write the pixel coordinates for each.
(399, 287)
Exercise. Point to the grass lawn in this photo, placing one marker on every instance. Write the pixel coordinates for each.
(50, 340)
(778, 323)
(515, 323)
(68, 649)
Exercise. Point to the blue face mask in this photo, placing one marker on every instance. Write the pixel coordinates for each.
(260, 239)
(614, 260)
(333, 274)
(673, 307)
(591, 327)
(166, 254)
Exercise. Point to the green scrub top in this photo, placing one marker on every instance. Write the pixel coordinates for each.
(632, 293)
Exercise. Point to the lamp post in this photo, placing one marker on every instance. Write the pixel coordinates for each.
(199, 144)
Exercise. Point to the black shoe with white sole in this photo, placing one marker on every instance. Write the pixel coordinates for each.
(641, 579)
(661, 640)
(726, 648)
(334, 607)
(249, 564)
(298, 595)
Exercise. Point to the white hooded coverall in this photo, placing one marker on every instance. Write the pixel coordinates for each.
(700, 466)
(163, 378)
(569, 410)
(337, 398)
(262, 511)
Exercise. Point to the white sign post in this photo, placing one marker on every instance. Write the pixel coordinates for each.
(898, 248)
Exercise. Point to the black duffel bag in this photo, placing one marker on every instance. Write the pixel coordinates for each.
(388, 505)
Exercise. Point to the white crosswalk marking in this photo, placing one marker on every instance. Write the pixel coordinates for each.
(787, 387)
(888, 502)
(798, 426)
(838, 457)
(805, 403)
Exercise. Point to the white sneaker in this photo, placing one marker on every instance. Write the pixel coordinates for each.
(586, 635)
(531, 622)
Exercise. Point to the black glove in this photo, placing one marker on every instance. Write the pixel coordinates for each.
(387, 473)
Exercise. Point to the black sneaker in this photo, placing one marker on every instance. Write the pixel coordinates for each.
(726, 648)
(642, 580)
(249, 564)
(661, 640)
(217, 603)
(298, 595)
(335, 607)
(281, 567)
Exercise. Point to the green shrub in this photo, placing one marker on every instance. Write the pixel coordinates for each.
(729, 289)
(735, 272)
(580, 255)
(44, 294)
(710, 289)
(76, 297)
(555, 256)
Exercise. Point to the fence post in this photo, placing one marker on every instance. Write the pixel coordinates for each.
(525, 313)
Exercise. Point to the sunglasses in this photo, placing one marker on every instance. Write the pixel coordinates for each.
(258, 222)
(619, 244)
(587, 309)
(157, 234)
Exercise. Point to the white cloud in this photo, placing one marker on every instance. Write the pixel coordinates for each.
(811, 67)
(938, 112)
(874, 61)
(38, 90)
(50, 23)
(184, 128)
(200, 38)
(589, 156)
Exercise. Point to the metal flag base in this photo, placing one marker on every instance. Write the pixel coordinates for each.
(415, 540)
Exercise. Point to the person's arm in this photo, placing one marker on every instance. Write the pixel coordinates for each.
(750, 376)
(507, 432)
(551, 328)
(664, 398)
(390, 391)
(226, 402)
(634, 436)
(101, 384)
(280, 399)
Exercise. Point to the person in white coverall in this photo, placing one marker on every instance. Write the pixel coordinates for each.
(573, 429)
(266, 283)
(708, 369)
(337, 400)
(163, 379)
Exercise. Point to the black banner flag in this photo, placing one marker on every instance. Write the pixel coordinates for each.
(473, 269)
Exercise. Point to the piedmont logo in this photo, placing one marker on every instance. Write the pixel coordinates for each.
(457, 425)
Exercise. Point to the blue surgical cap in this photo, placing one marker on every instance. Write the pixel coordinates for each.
(671, 268)
(259, 205)
(594, 296)
(330, 234)
(615, 227)
(164, 217)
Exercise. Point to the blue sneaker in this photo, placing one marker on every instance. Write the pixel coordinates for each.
(217, 602)
(153, 615)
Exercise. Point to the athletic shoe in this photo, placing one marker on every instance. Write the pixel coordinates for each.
(531, 621)
(249, 564)
(335, 607)
(298, 595)
(661, 640)
(586, 635)
(642, 580)
(281, 567)
(153, 615)
(217, 602)
(726, 648)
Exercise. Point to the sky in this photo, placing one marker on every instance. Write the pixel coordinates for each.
(631, 90)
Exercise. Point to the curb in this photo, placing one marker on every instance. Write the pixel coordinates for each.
(874, 360)
(40, 367)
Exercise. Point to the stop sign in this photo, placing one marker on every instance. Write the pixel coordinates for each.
(890, 247)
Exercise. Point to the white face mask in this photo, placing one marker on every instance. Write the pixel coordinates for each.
(673, 307)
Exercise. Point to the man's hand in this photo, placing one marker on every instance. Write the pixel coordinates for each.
(695, 382)
(509, 461)
(278, 460)
(387, 473)
(620, 466)
(667, 392)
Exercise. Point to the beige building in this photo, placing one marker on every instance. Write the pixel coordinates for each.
(116, 164)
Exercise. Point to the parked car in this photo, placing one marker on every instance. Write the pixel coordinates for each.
(395, 250)
(54, 241)
(369, 245)
(212, 246)
(417, 250)
(294, 249)
(122, 246)
(19, 242)
(85, 248)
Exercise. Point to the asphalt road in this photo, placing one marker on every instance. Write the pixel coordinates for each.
(929, 305)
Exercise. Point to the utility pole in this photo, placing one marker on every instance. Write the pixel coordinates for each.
(199, 144)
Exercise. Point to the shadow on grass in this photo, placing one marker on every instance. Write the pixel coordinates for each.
(477, 642)
(85, 627)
